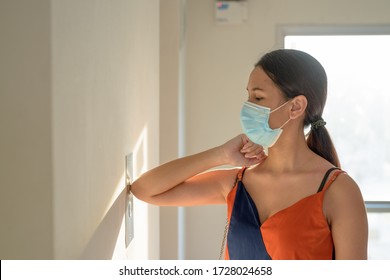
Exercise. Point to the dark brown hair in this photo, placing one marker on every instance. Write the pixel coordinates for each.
(298, 73)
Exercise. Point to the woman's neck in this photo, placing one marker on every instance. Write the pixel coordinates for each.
(290, 154)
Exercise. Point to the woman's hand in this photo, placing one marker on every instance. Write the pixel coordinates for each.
(240, 151)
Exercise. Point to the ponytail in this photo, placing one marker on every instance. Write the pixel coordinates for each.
(319, 142)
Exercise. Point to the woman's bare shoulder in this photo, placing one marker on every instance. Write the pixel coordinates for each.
(344, 189)
(344, 198)
(347, 217)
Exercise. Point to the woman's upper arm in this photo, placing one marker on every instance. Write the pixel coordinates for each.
(210, 187)
(344, 206)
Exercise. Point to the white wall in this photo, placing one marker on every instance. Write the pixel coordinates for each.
(105, 105)
(219, 60)
(79, 90)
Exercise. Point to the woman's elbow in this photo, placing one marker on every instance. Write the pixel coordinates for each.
(138, 189)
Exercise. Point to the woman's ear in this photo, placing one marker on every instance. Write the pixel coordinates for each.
(299, 104)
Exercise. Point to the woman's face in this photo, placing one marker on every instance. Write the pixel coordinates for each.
(263, 91)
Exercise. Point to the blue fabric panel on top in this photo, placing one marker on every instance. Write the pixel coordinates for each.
(244, 239)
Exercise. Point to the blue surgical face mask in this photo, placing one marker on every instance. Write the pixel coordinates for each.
(254, 122)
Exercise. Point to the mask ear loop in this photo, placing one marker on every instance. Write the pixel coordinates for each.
(277, 108)
(285, 123)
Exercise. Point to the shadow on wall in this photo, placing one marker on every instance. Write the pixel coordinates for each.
(104, 240)
(102, 243)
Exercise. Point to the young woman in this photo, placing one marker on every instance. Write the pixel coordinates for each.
(290, 199)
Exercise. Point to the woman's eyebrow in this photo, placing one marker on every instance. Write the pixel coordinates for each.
(255, 89)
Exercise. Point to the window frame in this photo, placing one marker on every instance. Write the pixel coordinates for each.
(323, 30)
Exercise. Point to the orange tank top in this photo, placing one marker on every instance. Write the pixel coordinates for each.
(299, 231)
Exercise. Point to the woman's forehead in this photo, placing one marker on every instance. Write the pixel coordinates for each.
(258, 79)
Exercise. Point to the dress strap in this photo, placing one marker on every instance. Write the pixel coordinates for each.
(240, 175)
(325, 179)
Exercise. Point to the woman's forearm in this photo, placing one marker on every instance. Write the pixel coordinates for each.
(165, 177)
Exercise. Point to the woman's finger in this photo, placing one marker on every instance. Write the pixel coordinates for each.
(249, 147)
(256, 160)
(252, 149)
(256, 151)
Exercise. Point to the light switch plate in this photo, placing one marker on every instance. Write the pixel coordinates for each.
(129, 211)
(129, 219)
(129, 169)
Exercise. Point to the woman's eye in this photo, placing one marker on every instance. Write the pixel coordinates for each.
(258, 98)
